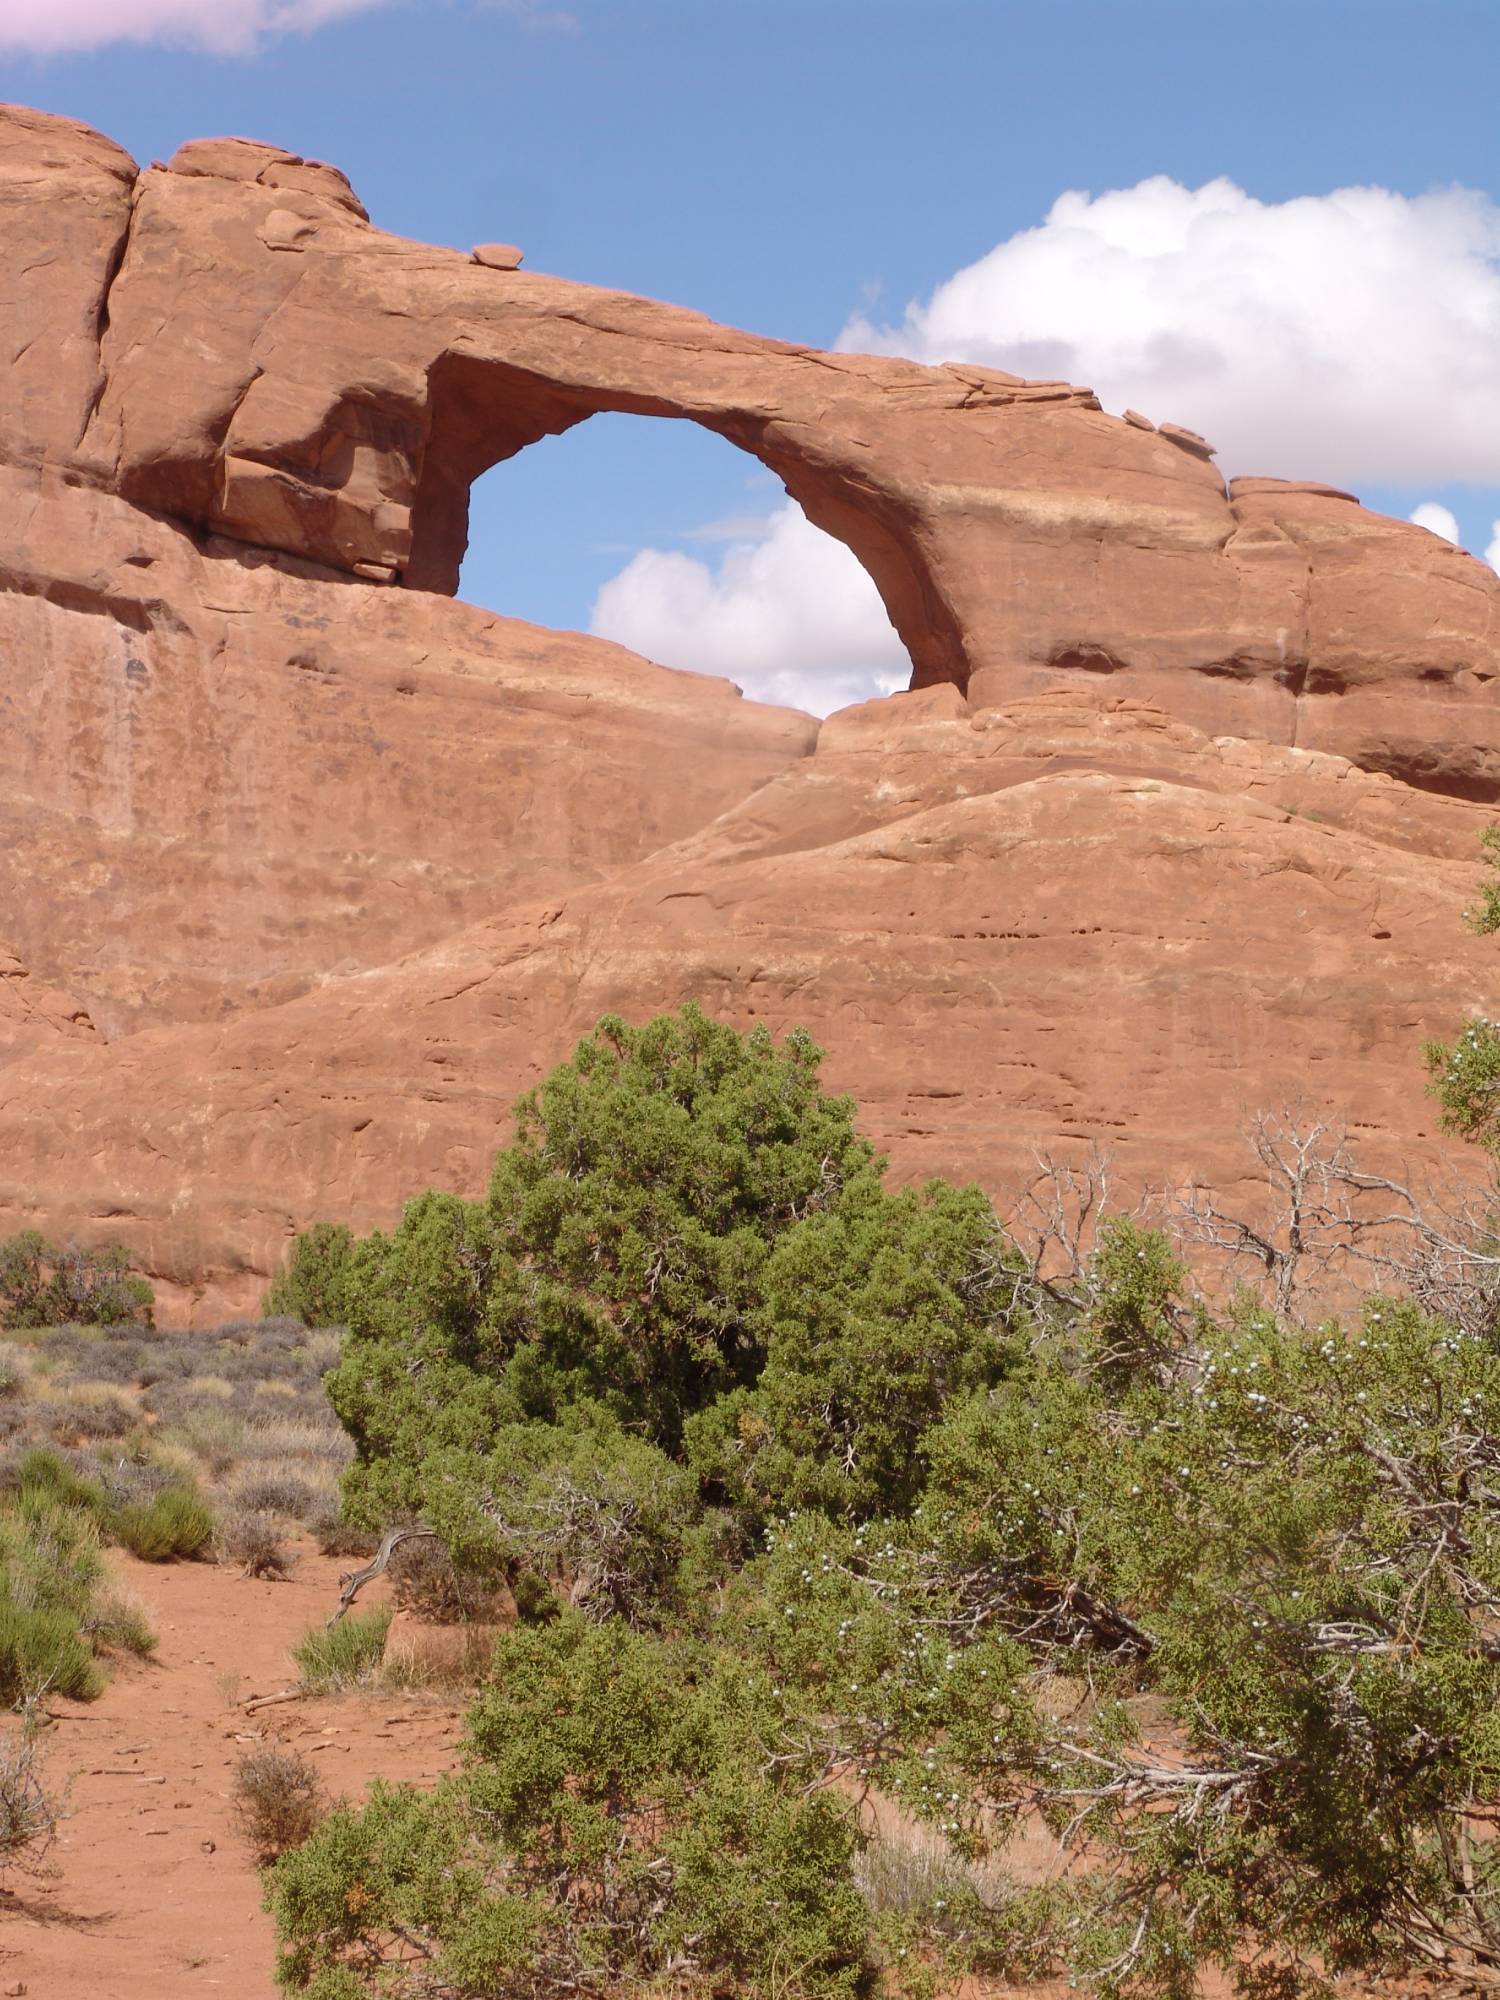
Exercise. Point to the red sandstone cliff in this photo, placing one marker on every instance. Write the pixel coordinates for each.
(1178, 826)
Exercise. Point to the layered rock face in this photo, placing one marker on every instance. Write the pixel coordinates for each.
(1176, 824)
(221, 783)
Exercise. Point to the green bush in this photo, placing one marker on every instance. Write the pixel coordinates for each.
(51, 1569)
(877, 1310)
(176, 1525)
(50, 1554)
(686, 1254)
(43, 1652)
(806, 1488)
(44, 1474)
(333, 1659)
(50, 1284)
(614, 1825)
(618, 1259)
(603, 1516)
(312, 1287)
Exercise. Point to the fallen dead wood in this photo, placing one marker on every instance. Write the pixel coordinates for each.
(355, 1580)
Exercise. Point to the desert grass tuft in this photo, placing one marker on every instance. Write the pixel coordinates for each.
(438, 1657)
(176, 1526)
(336, 1659)
(117, 1623)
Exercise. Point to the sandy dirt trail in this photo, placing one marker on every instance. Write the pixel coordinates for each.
(152, 1894)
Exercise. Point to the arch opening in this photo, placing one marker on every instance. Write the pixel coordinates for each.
(662, 536)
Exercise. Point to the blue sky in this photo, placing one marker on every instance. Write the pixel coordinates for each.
(790, 165)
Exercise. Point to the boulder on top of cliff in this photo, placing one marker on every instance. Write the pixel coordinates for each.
(251, 161)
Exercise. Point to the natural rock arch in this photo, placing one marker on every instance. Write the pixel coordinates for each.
(274, 368)
(660, 536)
(483, 413)
(266, 365)
(235, 414)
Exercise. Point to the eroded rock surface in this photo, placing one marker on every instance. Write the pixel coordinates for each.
(1069, 921)
(34, 1016)
(222, 783)
(1176, 824)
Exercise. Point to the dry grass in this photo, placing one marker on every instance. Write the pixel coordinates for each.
(437, 1658)
(238, 1414)
(908, 1869)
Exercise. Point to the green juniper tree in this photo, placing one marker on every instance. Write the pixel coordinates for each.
(311, 1288)
(844, 1530)
(62, 1284)
(1465, 1074)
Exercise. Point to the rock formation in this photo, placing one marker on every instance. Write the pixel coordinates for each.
(222, 783)
(1176, 823)
(33, 1016)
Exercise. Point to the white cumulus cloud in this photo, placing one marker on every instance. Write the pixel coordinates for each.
(1438, 520)
(791, 616)
(1492, 553)
(225, 27)
(1347, 336)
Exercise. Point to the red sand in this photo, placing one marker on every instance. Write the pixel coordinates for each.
(141, 1906)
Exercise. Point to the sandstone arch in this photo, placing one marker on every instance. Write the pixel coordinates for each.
(325, 391)
(266, 365)
(662, 536)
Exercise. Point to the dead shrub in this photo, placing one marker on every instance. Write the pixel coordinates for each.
(336, 1537)
(426, 1582)
(85, 1418)
(252, 1539)
(272, 1492)
(166, 1365)
(117, 1362)
(129, 1480)
(278, 1801)
(28, 1812)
